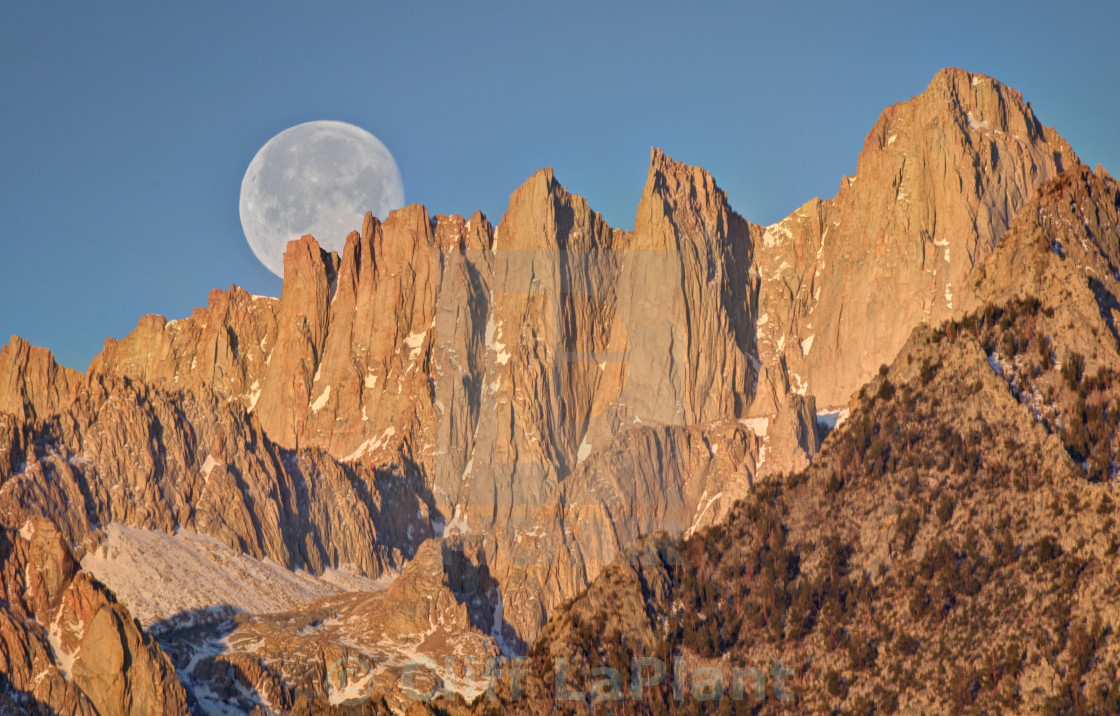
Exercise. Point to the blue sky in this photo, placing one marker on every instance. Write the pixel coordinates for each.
(125, 128)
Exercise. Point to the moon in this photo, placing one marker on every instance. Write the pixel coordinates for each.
(317, 178)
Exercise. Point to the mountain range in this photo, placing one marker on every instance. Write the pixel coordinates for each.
(868, 452)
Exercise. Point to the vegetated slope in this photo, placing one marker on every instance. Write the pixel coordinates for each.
(943, 552)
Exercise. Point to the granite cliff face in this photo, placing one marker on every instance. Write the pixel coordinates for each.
(939, 180)
(519, 403)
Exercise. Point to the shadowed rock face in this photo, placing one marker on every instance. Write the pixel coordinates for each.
(126, 453)
(553, 388)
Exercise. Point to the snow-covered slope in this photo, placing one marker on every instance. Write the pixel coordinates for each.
(158, 576)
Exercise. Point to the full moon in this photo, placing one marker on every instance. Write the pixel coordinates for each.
(317, 178)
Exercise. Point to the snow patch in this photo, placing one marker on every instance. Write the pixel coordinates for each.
(703, 509)
(806, 345)
(491, 327)
(458, 523)
(157, 575)
(777, 233)
(944, 245)
(891, 139)
(831, 419)
(209, 464)
(759, 426)
(321, 400)
(976, 124)
(371, 444)
(254, 394)
(63, 659)
(584, 451)
(500, 619)
(352, 691)
(799, 385)
(494, 341)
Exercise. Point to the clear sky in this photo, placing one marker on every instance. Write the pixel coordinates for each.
(125, 128)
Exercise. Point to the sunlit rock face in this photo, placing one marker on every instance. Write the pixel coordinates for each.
(939, 180)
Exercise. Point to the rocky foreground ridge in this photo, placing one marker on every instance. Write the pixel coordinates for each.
(430, 443)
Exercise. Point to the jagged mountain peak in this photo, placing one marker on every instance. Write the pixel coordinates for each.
(681, 205)
(960, 112)
(32, 384)
(1063, 248)
(986, 99)
(543, 215)
(939, 180)
(675, 179)
(687, 196)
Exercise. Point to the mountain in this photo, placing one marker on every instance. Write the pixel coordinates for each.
(946, 551)
(437, 444)
(938, 182)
